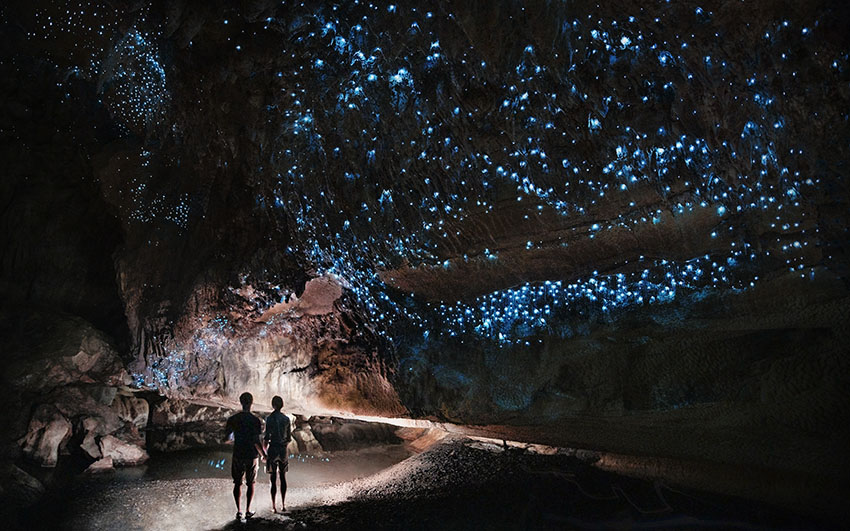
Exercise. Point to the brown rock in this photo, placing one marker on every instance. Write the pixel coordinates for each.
(132, 410)
(22, 489)
(306, 441)
(48, 431)
(103, 395)
(101, 465)
(122, 453)
(182, 412)
(89, 402)
(410, 434)
(318, 298)
(292, 447)
(426, 440)
(65, 351)
(89, 444)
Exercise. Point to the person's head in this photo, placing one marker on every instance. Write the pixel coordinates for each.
(277, 403)
(246, 399)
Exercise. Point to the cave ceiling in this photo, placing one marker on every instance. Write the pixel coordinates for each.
(441, 174)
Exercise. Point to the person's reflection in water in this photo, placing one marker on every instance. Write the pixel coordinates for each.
(246, 429)
(277, 437)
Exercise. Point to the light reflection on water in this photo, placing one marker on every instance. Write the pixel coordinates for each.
(305, 470)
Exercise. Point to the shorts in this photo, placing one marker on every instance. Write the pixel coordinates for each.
(243, 467)
(277, 459)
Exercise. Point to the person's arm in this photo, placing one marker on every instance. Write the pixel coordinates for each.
(228, 430)
(261, 447)
(288, 431)
(266, 436)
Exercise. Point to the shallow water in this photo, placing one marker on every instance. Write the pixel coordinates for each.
(304, 470)
(191, 489)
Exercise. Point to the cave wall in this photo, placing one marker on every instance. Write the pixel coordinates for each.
(64, 331)
(58, 235)
(715, 378)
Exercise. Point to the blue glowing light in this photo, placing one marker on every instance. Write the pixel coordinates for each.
(606, 126)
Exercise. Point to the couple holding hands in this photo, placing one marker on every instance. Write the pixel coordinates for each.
(250, 441)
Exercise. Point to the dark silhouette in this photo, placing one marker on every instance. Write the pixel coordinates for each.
(277, 437)
(246, 429)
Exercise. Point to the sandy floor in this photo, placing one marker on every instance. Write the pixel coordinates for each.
(458, 484)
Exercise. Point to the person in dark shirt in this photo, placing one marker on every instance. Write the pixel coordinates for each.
(246, 429)
(277, 437)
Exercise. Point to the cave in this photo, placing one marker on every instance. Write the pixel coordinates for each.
(509, 264)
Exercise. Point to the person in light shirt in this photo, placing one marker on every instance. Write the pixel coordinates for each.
(277, 437)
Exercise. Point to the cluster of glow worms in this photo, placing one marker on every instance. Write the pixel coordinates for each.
(441, 176)
(382, 158)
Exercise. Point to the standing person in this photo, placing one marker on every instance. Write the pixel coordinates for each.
(246, 429)
(277, 437)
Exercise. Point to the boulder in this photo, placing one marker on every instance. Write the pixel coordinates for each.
(134, 413)
(132, 410)
(103, 395)
(89, 401)
(101, 465)
(122, 453)
(292, 447)
(18, 487)
(103, 420)
(89, 444)
(126, 417)
(306, 441)
(61, 350)
(48, 431)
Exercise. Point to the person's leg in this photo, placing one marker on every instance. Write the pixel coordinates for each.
(237, 495)
(236, 472)
(250, 477)
(282, 471)
(249, 495)
(273, 478)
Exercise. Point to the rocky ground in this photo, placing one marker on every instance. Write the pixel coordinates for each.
(457, 484)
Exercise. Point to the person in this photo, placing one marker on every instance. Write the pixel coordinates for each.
(246, 429)
(277, 437)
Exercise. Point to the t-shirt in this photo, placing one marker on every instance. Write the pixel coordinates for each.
(278, 429)
(246, 429)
